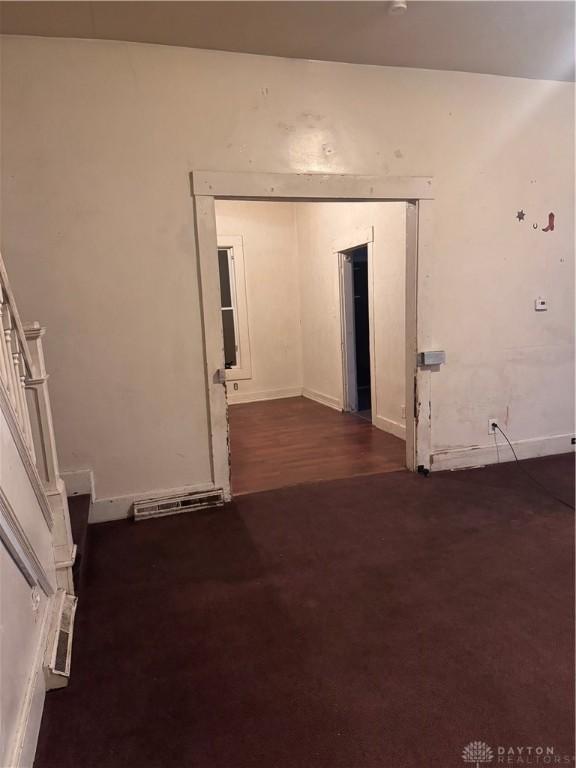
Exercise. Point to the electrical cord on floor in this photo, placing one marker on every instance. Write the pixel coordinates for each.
(543, 487)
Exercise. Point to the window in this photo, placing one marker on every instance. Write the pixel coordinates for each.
(229, 309)
(233, 308)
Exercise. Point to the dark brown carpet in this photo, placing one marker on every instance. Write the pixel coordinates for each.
(377, 622)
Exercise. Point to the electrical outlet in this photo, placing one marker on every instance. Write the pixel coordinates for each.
(236, 385)
(492, 430)
(403, 411)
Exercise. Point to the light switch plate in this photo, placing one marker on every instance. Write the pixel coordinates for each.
(540, 304)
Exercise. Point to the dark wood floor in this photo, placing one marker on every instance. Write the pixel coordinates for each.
(278, 443)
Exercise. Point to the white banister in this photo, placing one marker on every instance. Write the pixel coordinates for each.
(27, 422)
(3, 361)
(7, 344)
(25, 382)
(15, 361)
(37, 387)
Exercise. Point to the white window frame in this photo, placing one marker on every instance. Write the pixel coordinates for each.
(235, 247)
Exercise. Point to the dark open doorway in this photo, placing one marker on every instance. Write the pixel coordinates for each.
(359, 258)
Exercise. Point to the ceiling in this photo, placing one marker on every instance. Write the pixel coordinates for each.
(521, 39)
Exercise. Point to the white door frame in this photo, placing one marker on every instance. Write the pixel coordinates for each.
(354, 239)
(206, 186)
(347, 333)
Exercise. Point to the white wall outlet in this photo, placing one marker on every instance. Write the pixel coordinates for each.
(403, 411)
(492, 430)
(540, 304)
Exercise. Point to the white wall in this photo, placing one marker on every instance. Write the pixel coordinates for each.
(98, 139)
(322, 228)
(269, 241)
(389, 276)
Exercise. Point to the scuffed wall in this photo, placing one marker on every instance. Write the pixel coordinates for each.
(98, 139)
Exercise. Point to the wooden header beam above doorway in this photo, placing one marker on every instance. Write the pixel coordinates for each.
(310, 186)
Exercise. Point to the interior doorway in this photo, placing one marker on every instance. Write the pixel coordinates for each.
(207, 187)
(304, 412)
(362, 331)
(355, 303)
(289, 419)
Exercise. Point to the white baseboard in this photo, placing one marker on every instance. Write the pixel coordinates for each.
(234, 398)
(331, 402)
(79, 482)
(393, 427)
(121, 507)
(24, 748)
(481, 455)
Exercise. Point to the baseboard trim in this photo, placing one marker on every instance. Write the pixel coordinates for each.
(30, 716)
(255, 397)
(481, 455)
(393, 427)
(79, 482)
(121, 507)
(319, 397)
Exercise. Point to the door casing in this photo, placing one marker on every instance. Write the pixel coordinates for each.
(207, 186)
(354, 239)
(348, 342)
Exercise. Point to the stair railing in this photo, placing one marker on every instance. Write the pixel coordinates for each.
(24, 384)
(15, 360)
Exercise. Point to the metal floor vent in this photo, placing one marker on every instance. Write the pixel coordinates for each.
(59, 648)
(176, 505)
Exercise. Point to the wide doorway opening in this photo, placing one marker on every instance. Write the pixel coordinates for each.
(315, 389)
(319, 365)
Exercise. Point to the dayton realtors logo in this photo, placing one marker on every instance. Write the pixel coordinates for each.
(478, 753)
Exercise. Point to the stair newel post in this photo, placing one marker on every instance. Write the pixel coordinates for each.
(64, 549)
(38, 386)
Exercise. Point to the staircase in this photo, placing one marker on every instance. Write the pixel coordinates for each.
(37, 550)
